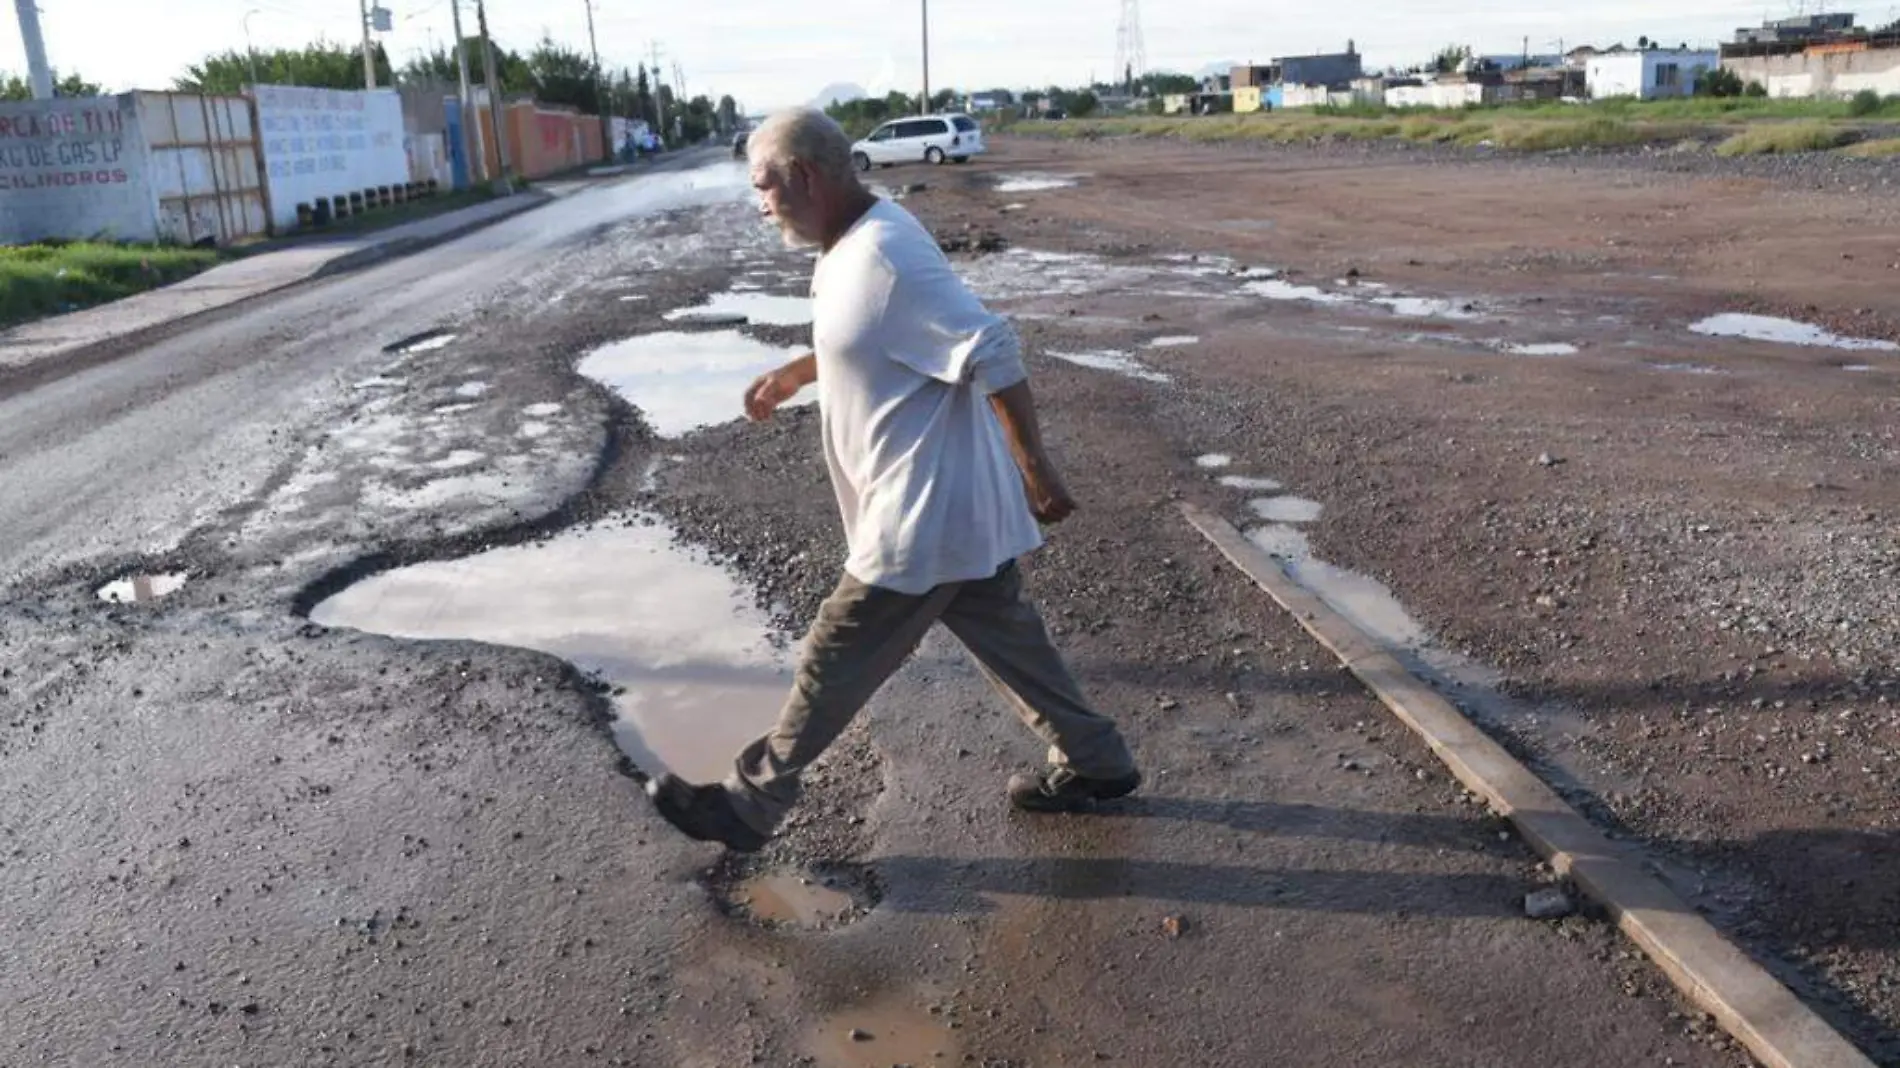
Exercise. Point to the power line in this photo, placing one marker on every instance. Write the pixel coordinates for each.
(1131, 51)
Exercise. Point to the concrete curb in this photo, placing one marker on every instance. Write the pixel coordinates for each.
(389, 250)
(1712, 972)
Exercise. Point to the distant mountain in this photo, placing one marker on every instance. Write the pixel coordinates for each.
(839, 93)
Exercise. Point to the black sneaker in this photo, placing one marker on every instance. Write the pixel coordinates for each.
(1062, 790)
(703, 812)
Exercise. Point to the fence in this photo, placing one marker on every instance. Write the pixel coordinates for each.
(198, 169)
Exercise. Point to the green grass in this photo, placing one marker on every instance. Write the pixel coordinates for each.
(1741, 125)
(1878, 149)
(1771, 139)
(56, 277)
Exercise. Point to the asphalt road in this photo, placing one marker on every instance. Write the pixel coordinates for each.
(231, 837)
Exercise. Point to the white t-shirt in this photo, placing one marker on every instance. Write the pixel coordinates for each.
(907, 359)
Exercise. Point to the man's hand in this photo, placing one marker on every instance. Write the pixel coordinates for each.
(1049, 499)
(774, 388)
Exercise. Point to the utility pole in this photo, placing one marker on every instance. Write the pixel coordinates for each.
(653, 91)
(502, 185)
(38, 72)
(924, 108)
(600, 95)
(477, 155)
(369, 57)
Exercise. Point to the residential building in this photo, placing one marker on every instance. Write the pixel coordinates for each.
(1651, 74)
(1543, 83)
(1335, 71)
(994, 100)
(1805, 28)
(1252, 76)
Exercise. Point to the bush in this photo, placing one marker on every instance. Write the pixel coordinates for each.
(1783, 139)
(1720, 82)
(1865, 103)
(1755, 89)
(1880, 149)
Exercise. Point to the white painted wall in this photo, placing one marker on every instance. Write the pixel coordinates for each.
(1435, 95)
(1305, 96)
(326, 143)
(1639, 74)
(74, 168)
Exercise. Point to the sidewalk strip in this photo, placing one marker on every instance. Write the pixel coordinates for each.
(1711, 971)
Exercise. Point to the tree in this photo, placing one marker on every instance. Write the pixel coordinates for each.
(438, 67)
(1642, 44)
(697, 122)
(728, 114)
(944, 100)
(564, 76)
(1451, 59)
(1162, 83)
(320, 65)
(13, 87)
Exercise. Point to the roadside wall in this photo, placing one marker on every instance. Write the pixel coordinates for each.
(1823, 71)
(548, 140)
(74, 168)
(322, 143)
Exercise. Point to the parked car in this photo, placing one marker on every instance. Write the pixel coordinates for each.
(738, 145)
(923, 139)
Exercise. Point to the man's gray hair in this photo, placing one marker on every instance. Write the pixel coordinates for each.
(806, 135)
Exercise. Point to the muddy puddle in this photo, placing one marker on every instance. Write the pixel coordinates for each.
(142, 589)
(1785, 332)
(748, 306)
(682, 382)
(1033, 182)
(885, 1032)
(694, 672)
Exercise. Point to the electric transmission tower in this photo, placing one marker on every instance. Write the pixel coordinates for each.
(1131, 53)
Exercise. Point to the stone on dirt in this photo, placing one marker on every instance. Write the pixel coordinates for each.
(1550, 903)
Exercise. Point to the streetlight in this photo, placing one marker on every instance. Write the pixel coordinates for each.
(249, 49)
(925, 109)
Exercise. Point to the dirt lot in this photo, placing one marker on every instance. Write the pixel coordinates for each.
(1680, 551)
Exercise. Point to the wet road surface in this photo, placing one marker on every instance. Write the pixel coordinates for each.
(231, 835)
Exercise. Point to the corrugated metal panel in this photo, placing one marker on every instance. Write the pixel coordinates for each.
(204, 167)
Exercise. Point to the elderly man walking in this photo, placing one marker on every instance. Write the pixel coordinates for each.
(931, 439)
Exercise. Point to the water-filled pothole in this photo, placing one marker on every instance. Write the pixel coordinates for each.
(1286, 509)
(694, 671)
(820, 897)
(764, 309)
(682, 382)
(1786, 332)
(139, 589)
(1035, 183)
(1115, 362)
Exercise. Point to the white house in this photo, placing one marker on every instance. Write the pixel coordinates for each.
(1652, 74)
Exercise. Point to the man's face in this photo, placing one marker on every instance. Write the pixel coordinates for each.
(785, 197)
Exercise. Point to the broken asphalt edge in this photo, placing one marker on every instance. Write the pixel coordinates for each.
(1711, 971)
(518, 203)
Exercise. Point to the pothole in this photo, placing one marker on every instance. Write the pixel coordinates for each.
(682, 382)
(694, 671)
(140, 589)
(888, 1030)
(1785, 332)
(1286, 509)
(1114, 362)
(824, 898)
(427, 341)
(763, 309)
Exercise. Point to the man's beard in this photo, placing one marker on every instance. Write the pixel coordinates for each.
(793, 239)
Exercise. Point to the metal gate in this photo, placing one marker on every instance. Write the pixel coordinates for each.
(204, 168)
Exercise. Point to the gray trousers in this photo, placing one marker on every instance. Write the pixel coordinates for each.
(862, 636)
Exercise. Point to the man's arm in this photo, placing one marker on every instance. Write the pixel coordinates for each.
(774, 388)
(1016, 409)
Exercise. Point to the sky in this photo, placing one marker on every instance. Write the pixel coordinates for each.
(771, 53)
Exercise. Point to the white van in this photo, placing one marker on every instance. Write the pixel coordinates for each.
(925, 139)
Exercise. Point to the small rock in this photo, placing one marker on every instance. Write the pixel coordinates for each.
(1549, 903)
(1174, 926)
(860, 1036)
(1545, 459)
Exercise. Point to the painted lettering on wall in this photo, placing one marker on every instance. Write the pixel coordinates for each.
(62, 149)
(321, 143)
